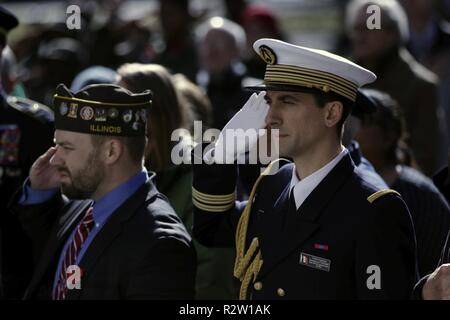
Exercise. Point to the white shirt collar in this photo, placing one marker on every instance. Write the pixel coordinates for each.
(303, 188)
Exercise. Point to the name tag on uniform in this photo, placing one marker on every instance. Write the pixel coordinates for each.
(315, 262)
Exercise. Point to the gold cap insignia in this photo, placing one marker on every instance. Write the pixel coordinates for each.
(267, 54)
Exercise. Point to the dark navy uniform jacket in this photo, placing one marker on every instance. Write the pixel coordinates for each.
(348, 240)
(26, 132)
(366, 170)
(442, 183)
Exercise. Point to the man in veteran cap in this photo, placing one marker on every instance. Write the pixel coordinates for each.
(117, 237)
(26, 131)
(314, 229)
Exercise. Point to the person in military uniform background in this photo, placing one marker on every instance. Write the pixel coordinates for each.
(25, 133)
(314, 229)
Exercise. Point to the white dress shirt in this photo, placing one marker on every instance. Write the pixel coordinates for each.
(303, 188)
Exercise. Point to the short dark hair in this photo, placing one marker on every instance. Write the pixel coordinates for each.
(390, 119)
(134, 145)
(323, 98)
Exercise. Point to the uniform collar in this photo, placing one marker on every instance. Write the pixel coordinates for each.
(303, 188)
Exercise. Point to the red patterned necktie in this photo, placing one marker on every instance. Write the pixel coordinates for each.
(72, 251)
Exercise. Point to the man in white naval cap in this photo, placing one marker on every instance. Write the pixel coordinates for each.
(314, 229)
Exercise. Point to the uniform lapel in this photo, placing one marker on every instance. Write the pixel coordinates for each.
(270, 224)
(301, 225)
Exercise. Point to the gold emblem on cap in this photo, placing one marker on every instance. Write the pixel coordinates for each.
(73, 110)
(267, 54)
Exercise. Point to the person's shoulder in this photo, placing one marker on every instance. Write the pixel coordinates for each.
(368, 174)
(31, 109)
(384, 196)
(417, 180)
(279, 168)
(377, 205)
(158, 218)
(278, 172)
(419, 72)
(370, 195)
(413, 183)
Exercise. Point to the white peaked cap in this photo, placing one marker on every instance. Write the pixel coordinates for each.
(296, 68)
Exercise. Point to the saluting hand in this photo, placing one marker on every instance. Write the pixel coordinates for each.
(437, 286)
(44, 175)
(251, 116)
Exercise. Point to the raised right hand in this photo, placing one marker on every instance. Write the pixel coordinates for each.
(43, 175)
(251, 116)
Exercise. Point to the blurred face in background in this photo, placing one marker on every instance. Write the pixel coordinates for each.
(174, 19)
(217, 51)
(370, 45)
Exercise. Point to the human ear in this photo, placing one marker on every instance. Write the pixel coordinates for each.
(333, 113)
(113, 150)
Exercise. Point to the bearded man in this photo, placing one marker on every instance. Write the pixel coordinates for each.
(117, 237)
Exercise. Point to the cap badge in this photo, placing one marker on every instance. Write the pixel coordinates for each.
(267, 54)
(100, 114)
(127, 116)
(73, 110)
(87, 113)
(113, 113)
(63, 109)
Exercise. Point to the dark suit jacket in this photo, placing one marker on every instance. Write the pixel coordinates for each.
(142, 252)
(415, 89)
(336, 225)
(442, 183)
(26, 133)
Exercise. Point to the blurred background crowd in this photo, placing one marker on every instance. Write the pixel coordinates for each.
(209, 43)
(197, 57)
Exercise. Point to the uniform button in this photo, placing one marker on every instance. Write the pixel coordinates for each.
(258, 285)
(281, 292)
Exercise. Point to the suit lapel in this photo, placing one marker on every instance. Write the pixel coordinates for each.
(66, 224)
(112, 229)
(303, 223)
